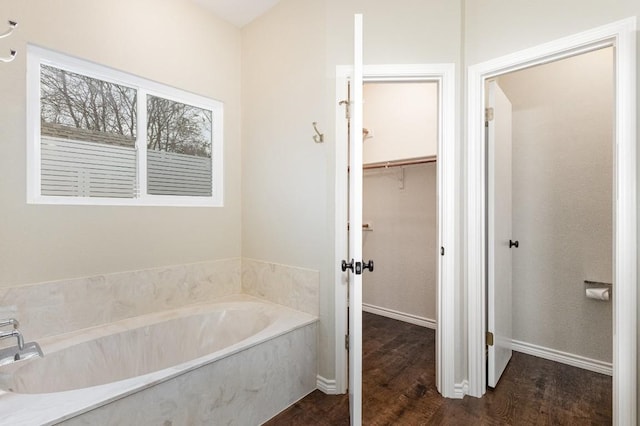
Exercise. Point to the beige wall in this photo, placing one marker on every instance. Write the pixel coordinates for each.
(289, 63)
(174, 42)
(411, 31)
(402, 120)
(286, 176)
(499, 27)
(288, 80)
(562, 202)
(401, 204)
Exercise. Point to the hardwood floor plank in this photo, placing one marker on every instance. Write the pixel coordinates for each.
(399, 388)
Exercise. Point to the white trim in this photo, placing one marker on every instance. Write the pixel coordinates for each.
(341, 221)
(400, 316)
(625, 319)
(622, 35)
(355, 221)
(461, 389)
(141, 143)
(326, 386)
(448, 224)
(36, 56)
(567, 358)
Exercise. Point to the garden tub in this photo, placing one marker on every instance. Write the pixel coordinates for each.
(237, 360)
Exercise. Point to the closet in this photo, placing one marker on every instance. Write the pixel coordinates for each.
(400, 200)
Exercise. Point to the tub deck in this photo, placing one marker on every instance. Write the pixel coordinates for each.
(54, 407)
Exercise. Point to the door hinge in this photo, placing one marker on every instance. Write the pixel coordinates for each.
(347, 112)
(346, 341)
(489, 338)
(488, 114)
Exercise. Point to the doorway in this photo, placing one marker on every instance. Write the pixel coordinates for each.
(557, 212)
(443, 74)
(619, 35)
(399, 200)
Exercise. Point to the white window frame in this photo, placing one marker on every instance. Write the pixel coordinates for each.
(37, 56)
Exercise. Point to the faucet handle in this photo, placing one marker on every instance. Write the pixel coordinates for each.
(9, 321)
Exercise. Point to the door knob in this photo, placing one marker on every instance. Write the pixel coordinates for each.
(513, 244)
(368, 266)
(346, 265)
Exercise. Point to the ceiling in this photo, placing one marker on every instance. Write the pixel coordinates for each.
(238, 12)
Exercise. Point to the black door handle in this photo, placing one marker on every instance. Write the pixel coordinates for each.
(368, 266)
(357, 267)
(346, 265)
(513, 244)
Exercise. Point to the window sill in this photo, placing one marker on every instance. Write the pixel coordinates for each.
(148, 201)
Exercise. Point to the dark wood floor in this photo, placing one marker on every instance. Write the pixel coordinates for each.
(399, 389)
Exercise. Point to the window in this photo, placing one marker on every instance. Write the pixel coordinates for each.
(100, 136)
(178, 148)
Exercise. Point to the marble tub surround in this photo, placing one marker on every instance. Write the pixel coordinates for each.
(246, 389)
(297, 288)
(57, 307)
(267, 364)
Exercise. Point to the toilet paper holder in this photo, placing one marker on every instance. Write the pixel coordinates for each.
(598, 290)
(597, 284)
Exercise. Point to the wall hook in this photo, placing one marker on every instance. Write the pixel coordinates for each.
(12, 53)
(12, 26)
(318, 137)
(9, 58)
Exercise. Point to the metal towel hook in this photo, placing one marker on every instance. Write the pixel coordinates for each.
(11, 57)
(12, 53)
(12, 26)
(318, 137)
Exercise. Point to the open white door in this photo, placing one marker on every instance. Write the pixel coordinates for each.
(355, 231)
(499, 229)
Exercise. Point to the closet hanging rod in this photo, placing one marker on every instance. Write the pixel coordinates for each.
(399, 163)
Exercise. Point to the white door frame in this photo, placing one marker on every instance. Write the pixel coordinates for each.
(444, 74)
(622, 36)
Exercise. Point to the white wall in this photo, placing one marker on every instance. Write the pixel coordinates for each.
(402, 120)
(401, 204)
(562, 202)
(174, 42)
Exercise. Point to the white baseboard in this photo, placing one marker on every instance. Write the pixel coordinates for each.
(401, 316)
(326, 386)
(563, 357)
(461, 389)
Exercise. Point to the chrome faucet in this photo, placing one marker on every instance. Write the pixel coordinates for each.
(23, 350)
(9, 321)
(14, 333)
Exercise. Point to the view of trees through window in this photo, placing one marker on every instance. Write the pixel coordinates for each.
(177, 127)
(82, 102)
(89, 132)
(75, 100)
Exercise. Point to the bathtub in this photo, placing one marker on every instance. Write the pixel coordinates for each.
(239, 360)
